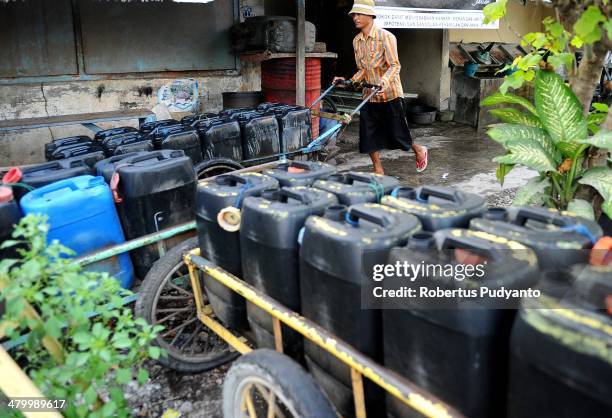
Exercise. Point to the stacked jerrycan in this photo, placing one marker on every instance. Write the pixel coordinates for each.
(337, 256)
(153, 191)
(10, 214)
(259, 134)
(270, 258)
(220, 137)
(456, 347)
(39, 175)
(300, 173)
(52, 147)
(294, 125)
(81, 147)
(559, 239)
(82, 216)
(149, 128)
(106, 167)
(437, 207)
(218, 204)
(107, 133)
(125, 143)
(179, 137)
(354, 187)
(560, 363)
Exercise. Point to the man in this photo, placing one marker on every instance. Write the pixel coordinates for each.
(382, 122)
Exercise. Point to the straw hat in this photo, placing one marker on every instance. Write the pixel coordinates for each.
(364, 7)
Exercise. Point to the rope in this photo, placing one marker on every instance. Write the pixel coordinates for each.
(241, 196)
(378, 189)
(25, 186)
(582, 230)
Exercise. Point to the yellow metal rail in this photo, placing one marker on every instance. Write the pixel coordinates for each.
(360, 365)
(16, 384)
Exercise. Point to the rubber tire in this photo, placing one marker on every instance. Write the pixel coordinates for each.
(213, 163)
(144, 307)
(285, 376)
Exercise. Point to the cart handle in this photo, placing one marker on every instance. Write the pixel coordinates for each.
(374, 87)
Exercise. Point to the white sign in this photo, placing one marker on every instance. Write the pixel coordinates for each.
(394, 17)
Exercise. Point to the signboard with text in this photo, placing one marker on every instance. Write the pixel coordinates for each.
(432, 14)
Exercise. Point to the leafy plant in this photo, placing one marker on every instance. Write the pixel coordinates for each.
(579, 25)
(551, 137)
(82, 345)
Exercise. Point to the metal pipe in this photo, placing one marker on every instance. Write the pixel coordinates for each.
(407, 392)
(300, 54)
(136, 243)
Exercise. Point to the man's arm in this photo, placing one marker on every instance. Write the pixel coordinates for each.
(391, 58)
(360, 74)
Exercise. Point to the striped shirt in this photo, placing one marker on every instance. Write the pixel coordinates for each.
(377, 60)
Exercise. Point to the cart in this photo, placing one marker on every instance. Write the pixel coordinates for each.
(263, 383)
(313, 151)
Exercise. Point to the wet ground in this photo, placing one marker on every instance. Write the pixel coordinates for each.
(458, 157)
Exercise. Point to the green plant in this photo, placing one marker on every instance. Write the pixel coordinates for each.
(82, 345)
(579, 25)
(551, 137)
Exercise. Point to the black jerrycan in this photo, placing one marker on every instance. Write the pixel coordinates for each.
(560, 364)
(355, 187)
(300, 173)
(450, 339)
(10, 214)
(153, 191)
(220, 138)
(218, 204)
(559, 239)
(269, 247)
(337, 257)
(437, 207)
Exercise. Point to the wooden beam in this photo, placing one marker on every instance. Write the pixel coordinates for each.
(300, 49)
(76, 119)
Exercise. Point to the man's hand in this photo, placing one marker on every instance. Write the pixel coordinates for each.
(338, 79)
(383, 86)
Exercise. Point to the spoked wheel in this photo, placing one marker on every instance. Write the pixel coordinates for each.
(215, 167)
(166, 298)
(267, 384)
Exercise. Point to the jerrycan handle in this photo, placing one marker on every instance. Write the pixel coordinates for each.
(405, 192)
(440, 192)
(228, 179)
(525, 214)
(470, 244)
(363, 178)
(354, 215)
(53, 187)
(50, 165)
(302, 197)
(155, 155)
(299, 164)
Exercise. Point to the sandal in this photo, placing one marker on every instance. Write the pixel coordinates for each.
(422, 165)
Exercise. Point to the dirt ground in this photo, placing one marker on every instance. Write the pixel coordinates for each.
(458, 157)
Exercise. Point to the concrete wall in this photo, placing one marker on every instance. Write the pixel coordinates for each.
(59, 98)
(423, 54)
(518, 21)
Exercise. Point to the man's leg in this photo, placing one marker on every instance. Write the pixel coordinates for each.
(419, 151)
(378, 168)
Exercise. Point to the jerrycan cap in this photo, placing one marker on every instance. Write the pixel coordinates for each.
(229, 219)
(6, 194)
(14, 175)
